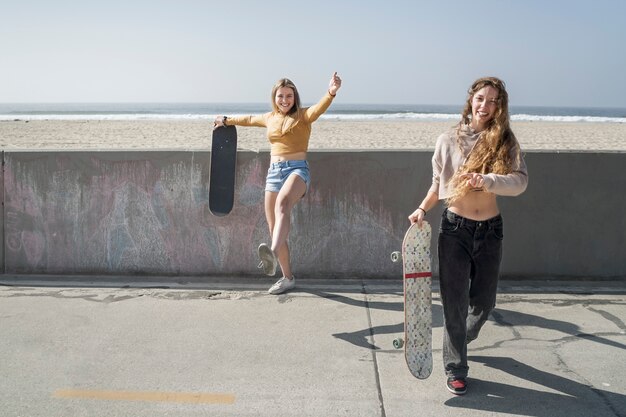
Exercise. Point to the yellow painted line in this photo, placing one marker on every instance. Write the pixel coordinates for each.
(172, 397)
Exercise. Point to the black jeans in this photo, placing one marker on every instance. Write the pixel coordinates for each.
(469, 264)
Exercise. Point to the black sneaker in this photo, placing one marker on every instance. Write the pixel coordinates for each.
(457, 386)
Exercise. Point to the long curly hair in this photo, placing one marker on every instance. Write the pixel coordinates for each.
(496, 150)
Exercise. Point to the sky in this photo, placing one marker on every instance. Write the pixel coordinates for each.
(549, 53)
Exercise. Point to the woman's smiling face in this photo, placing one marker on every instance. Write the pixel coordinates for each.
(484, 107)
(284, 99)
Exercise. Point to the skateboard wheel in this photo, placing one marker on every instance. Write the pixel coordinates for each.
(398, 343)
(395, 256)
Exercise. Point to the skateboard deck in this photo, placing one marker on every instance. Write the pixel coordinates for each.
(417, 300)
(223, 163)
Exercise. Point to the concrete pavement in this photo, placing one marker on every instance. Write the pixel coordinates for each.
(76, 347)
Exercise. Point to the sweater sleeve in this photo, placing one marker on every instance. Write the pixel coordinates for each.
(312, 113)
(512, 184)
(256, 121)
(437, 164)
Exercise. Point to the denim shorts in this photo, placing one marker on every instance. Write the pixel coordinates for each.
(278, 173)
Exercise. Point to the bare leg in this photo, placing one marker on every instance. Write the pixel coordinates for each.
(278, 208)
(270, 202)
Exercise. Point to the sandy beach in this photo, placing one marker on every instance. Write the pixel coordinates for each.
(196, 135)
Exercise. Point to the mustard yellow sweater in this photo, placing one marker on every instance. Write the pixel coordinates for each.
(286, 133)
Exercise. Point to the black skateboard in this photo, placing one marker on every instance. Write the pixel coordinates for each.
(223, 163)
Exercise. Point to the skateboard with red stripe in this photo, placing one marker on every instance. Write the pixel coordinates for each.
(417, 300)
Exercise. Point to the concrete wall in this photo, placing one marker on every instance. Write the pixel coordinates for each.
(146, 213)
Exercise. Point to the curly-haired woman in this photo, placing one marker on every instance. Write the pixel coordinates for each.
(473, 163)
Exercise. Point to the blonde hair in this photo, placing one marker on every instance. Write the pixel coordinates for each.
(285, 82)
(496, 149)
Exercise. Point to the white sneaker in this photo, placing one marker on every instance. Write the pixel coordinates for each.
(268, 260)
(282, 285)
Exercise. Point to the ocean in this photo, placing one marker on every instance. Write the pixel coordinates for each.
(338, 111)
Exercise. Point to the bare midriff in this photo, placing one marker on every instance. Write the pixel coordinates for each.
(476, 205)
(296, 156)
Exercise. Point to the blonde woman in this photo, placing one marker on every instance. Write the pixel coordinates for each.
(472, 164)
(288, 177)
